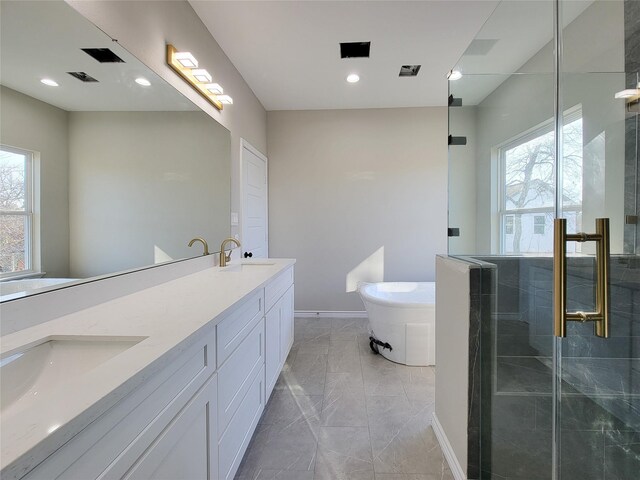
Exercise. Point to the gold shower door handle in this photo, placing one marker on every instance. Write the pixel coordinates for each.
(560, 315)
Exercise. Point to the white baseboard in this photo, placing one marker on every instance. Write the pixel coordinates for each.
(330, 314)
(447, 449)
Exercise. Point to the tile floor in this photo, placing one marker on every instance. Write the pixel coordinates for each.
(339, 412)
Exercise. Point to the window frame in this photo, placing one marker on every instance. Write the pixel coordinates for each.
(571, 115)
(30, 256)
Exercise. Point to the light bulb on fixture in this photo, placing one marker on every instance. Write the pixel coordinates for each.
(49, 82)
(353, 78)
(186, 60)
(454, 75)
(226, 99)
(143, 81)
(201, 75)
(214, 88)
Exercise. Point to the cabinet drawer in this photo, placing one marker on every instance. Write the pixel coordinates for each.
(235, 440)
(236, 325)
(276, 287)
(236, 375)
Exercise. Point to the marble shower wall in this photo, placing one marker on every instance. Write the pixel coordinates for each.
(600, 401)
(632, 125)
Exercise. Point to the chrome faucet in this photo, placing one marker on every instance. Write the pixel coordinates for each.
(204, 242)
(224, 258)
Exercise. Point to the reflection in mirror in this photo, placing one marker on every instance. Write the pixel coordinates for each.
(502, 190)
(97, 176)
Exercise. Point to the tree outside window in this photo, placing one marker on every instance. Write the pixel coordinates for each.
(16, 211)
(528, 187)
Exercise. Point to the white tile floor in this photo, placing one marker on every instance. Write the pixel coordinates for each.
(339, 412)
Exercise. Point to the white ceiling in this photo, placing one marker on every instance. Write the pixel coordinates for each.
(43, 39)
(288, 51)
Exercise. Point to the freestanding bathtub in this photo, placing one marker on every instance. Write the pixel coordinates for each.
(402, 320)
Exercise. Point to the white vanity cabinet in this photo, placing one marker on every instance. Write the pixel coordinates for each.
(156, 417)
(193, 416)
(279, 326)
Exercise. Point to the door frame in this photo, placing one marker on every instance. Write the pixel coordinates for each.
(244, 144)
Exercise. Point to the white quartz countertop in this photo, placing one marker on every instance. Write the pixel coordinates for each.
(169, 315)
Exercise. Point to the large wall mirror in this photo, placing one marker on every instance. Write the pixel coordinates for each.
(103, 171)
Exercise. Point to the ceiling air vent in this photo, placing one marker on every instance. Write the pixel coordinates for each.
(82, 76)
(409, 70)
(103, 55)
(355, 50)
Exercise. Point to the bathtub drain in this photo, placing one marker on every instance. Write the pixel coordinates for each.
(374, 343)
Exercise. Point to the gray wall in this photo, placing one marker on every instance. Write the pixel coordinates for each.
(348, 187)
(144, 28)
(30, 124)
(142, 184)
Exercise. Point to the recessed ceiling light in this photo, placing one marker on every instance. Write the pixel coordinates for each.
(353, 78)
(454, 75)
(48, 81)
(143, 81)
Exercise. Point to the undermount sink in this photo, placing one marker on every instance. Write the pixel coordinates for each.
(47, 365)
(243, 267)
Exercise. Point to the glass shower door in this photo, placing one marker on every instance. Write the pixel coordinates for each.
(550, 407)
(597, 375)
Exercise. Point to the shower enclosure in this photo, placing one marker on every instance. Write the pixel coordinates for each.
(543, 126)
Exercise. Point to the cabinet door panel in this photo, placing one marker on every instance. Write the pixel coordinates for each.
(187, 446)
(286, 324)
(272, 348)
(236, 438)
(236, 375)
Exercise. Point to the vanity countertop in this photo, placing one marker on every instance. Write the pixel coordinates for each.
(169, 315)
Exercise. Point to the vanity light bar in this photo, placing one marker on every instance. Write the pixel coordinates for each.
(198, 78)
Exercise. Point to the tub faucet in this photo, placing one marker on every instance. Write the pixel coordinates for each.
(224, 258)
(204, 243)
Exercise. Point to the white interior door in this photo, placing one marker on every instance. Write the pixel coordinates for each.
(254, 203)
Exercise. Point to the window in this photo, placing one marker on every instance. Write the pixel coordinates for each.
(527, 183)
(16, 212)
